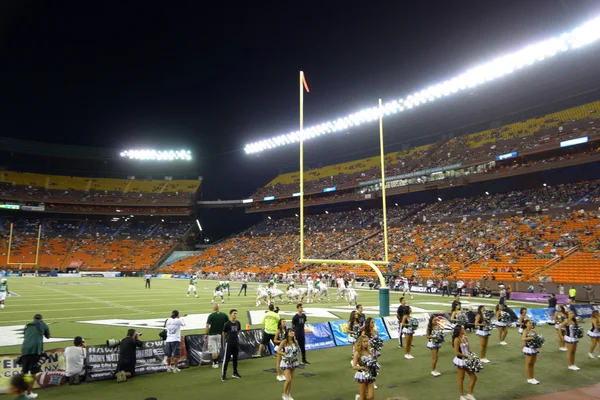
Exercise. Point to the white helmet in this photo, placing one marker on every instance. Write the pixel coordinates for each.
(3, 280)
(291, 282)
(272, 281)
(220, 282)
(318, 280)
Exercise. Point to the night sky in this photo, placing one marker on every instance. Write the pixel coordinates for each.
(212, 76)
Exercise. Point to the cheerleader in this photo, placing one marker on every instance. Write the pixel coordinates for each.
(559, 317)
(501, 325)
(528, 335)
(354, 329)
(570, 326)
(288, 350)
(363, 376)
(370, 331)
(461, 349)
(594, 332)
(522, 318)
(279, 336)
(483, 332)
(456, 309)
(408, 332)
(433, 326)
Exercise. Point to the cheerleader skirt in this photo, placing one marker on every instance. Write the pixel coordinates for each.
(593, 333)
(501, 324)
(351, 339)
(528, 351)
(482, 333)
(459, 362)
(571, 340)
(520, 331)
(408, 331)
(557, 327)
(288, 365)
(363, 377)
(432, 346)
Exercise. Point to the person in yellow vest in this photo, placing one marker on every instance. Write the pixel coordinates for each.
(572, 293)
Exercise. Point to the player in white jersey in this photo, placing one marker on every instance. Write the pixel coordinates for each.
(406, 288)
(3, 292)
(352, 296)
(261, 295)
(310, 290)
(273, 293)
(323, 291)
(342, 292)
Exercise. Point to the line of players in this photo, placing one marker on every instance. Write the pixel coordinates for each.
(314, 289)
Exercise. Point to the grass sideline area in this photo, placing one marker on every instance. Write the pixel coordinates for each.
(65, 301)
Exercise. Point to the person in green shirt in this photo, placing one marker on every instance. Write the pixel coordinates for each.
(33, 347)
(270, 321)
(18, 387)
(192, 286)
(572, 293)
(214, 328)
(3, 292)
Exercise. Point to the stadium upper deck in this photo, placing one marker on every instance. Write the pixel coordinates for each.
(22, 186)
(484, 145)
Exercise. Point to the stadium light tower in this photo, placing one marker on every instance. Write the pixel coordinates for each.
(478, 75)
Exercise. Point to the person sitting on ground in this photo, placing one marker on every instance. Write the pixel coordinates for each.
(75, 361)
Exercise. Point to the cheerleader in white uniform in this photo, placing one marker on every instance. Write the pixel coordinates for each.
(354, 329)
(363, 377)
(461, 349)
(570, 325)
(501, 325)
(522, 318)
(594, 332)
(483, 331)
(288, 349)
(559, 317)
(528, 335)
(279, 337)
(433, 346)
(408, 333)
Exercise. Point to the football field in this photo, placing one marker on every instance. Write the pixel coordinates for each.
(100, 309)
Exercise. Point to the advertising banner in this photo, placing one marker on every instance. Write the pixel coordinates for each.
(584, 310)
(197, 350)
(540, 315)
(150, 359)
(392, 324)
(318, 336)
(339, 329)
(249, 343)
(538, 297)
(383, 332)
(52, 370)
(68, 275)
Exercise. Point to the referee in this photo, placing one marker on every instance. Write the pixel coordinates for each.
(231, 332)
(244, 286)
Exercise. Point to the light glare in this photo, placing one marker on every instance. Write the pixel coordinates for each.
(579, 37)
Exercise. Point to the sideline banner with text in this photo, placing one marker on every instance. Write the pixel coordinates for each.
(53, 370)
(150, 359)
(392, 324)
(318, 336)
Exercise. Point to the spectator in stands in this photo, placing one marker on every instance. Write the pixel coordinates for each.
(127, 356)
(75, 361)
(33, 347)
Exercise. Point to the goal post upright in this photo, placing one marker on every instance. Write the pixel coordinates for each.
(384, 293)
(37, 248)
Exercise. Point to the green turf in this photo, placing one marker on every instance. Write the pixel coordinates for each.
(328, 377)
